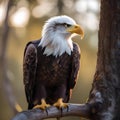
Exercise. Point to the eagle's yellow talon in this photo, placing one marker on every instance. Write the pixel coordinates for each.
(43, 105)
(60, 104)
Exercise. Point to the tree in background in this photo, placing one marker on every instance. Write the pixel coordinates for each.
(3, 63)
(106, 84)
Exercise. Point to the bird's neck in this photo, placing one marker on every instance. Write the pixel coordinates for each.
(56, 46)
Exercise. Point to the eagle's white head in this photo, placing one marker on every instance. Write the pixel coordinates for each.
(57, 33)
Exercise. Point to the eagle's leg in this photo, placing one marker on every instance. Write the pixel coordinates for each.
(61, 95)
(60, 104)
(40, 96)
(43, 105)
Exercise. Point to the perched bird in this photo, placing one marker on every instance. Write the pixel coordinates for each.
(51, 64)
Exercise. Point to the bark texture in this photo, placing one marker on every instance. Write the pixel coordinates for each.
(53, 112)
(106, 85)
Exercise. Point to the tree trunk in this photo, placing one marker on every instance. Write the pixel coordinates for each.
(106, 85)
(60, 6)
(8, 91)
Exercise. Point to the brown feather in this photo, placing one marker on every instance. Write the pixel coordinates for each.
(49, 77)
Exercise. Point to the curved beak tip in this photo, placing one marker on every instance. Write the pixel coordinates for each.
(80, 31)
(76, 29)
(82, 35)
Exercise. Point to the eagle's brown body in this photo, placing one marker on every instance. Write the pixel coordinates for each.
(49, 77)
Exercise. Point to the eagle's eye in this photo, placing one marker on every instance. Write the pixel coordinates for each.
(67, 25)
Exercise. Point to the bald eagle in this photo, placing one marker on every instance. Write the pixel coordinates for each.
(51, 64)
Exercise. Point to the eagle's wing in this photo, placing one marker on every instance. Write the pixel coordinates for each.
(29, 70)
(75, 65)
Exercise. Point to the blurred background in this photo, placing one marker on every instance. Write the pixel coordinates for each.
(25, 21)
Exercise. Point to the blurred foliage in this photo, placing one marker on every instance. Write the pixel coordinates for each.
(33, 15)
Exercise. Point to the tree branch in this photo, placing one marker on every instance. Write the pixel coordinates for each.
(82, 110)
(3, 63)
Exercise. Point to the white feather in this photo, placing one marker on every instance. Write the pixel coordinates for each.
(57, 41)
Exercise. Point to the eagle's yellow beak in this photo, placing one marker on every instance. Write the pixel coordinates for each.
(76, 29)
